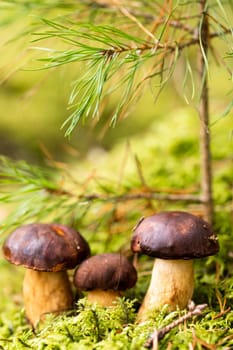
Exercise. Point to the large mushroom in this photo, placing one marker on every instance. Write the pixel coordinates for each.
(105, 277)
(47, 251)
(174, 238)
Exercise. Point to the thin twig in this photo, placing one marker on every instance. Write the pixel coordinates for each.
(142, 178)
(148, 16)
(220, 314)
(204, 115)
(167, 47)
(160, 333)
(129, 196)
(126, 13)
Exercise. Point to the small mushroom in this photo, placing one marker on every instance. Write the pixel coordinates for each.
(105, 277)
(175, 238)
(47, 251)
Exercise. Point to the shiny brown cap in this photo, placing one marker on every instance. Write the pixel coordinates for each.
(174, 235)
(109, 271)
(46, 247)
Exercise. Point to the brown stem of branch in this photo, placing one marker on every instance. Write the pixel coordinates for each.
(160, 46)
(206, 176)
(160, 333)
(151, 195)
(129, 196)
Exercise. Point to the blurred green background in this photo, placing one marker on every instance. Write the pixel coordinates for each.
(33, 103)
(33, 107)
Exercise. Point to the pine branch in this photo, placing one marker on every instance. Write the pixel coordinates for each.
(28, 179)
(32, 193)
(115, 57)
(142, 195)
(36, 194)
(106, 51)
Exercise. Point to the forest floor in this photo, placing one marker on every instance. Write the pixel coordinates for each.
(173, 165)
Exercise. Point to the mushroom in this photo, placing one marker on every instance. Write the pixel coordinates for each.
(105, 277)
(175, 238)
(47, 251)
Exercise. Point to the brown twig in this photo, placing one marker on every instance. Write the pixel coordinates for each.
(222, 313)
(148, 16)
(160, 333)
(204, 115)
(126, 13)
(167, 47)
(142, 195)
(141, 177)
(204, 344)
(129, 196)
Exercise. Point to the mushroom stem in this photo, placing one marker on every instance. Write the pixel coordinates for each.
(172, 283)
(45, 292)
(103, 297)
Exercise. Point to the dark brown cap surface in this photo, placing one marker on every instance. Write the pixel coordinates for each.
(46, 247)
(174, 235)
(106, 272)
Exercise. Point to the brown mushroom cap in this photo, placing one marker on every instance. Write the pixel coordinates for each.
(109, 271)
(46, 247)
(174, 235)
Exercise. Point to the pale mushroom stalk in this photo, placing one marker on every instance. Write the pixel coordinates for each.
(172, 283)
(103, 297)
(45, 292)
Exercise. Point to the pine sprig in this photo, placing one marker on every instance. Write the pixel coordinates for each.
(141, 44)
(32, 193)
(21, 172)
(113, 62)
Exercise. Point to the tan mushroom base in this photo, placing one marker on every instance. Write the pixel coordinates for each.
(45, 292)
(103, 297)
(172, 283)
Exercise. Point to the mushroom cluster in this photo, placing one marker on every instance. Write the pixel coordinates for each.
(174, 238)
(47, 251)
